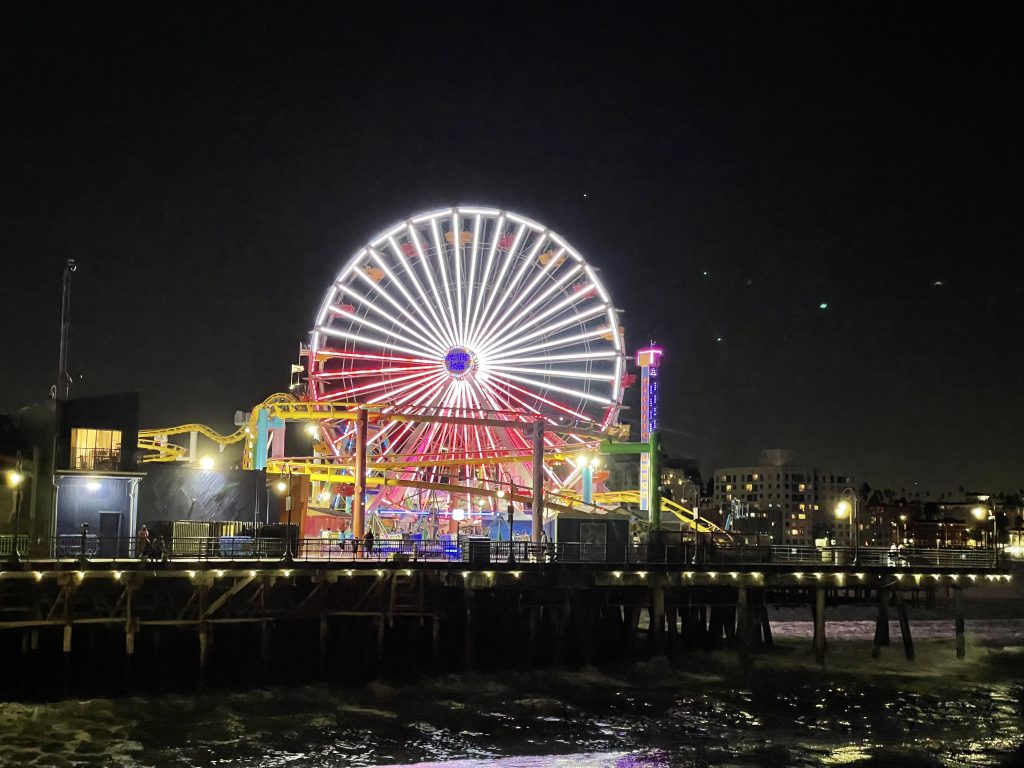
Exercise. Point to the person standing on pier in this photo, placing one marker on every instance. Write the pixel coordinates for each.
(142, 544)
(368, 543)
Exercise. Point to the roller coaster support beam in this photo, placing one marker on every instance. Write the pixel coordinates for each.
(538, 481)
(359, 489)
(264, 423)
(652, 447)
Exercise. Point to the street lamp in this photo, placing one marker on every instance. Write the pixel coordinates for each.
(847, 507)
(15, 478)
(283, 486)
(983, 513)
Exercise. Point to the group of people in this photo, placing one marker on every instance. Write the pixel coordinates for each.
(368, 540)
(148, 548)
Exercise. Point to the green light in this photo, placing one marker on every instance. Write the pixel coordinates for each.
(823, 305)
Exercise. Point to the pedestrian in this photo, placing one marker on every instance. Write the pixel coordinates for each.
(157, 550)
(142, 544)
(368, 543)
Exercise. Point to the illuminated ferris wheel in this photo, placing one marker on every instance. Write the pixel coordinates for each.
(467, 312)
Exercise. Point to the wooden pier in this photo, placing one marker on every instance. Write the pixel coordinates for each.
(63, 624)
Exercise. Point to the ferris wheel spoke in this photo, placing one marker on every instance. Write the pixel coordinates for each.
(371, 342)
(414, 237)
(557, 342)
(355, 373)
(473, 251)
(565, 305)
(547, 270)
(543, 297)
(520, 333)
(497, 232)
(506, 391)
(457, 258)
(442, 272)
(423, 330)
(428, 326)
(556, 372)
(338, 393)
(570, 357)
(389, 333)
(408, 269)
(493, 292)
(541, 386)
(509, 292)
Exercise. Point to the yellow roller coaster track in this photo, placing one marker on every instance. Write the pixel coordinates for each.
(684, 514)
(151, 439)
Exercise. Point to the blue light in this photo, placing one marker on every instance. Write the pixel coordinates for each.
(459, 362)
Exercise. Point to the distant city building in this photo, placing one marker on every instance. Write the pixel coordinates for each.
(794, 504)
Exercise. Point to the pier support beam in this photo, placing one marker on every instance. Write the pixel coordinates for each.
(657, 617)
(819, 625)
(958, 607)
(908, 641)
(881, 623)
(743, 619)
(766, 627)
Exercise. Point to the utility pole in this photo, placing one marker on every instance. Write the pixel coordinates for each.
(63, 380)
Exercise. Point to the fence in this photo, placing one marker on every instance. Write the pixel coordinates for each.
(482, 552)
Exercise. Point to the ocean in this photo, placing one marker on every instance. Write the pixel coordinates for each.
(704, 710)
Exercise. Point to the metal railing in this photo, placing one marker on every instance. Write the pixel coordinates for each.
(482, 552)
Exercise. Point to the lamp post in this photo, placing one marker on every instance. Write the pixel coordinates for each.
(14, 480)
(284, 486)
(988, 513)
(847, 505)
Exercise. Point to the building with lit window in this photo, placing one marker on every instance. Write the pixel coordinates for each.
(794, 504)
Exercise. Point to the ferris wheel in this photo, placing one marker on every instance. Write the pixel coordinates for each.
(467, 311)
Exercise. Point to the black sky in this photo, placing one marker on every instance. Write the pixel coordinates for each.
(211, 166)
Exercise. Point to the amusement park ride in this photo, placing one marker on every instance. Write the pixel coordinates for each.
(463, 356)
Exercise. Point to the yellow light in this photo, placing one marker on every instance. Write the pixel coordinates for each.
(859, 576)
(617, 574)
(14, 478)
(756, 575)
(281, 486)
(843, 508)
(191, 574)
(465, 574)
(517, 574)
(734, 575)
(220, 573)
(311, 430)
(252, 574)
(688, 574)
(117, 575)
(408, 572)
(39, 576)
(286, 573)
(798, 575)
(713, 574)
(979, 512)
(206, 462)
(642, 574)
(818, 576)
(80, 575)
(380, 572)
(349, 573)
(500, 494)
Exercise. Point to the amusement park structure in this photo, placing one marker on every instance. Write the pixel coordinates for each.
(464, 359)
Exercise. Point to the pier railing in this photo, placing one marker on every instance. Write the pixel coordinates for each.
(482, 552)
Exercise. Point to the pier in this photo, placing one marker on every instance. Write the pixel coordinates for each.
(422, 608)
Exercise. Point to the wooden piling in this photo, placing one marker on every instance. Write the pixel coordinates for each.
(881, 623)
(743, 617)
(819, 625)
(958, 607)
(766, 627)
(657, 619)
(908, 641)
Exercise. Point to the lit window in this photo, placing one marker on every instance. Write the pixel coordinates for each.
(803, 507)
(757, 476)
(95, 448)
(728, 487)
(802, 486)
(749, 486)
(802, 516)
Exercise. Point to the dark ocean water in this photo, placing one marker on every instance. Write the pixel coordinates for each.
(784, 711)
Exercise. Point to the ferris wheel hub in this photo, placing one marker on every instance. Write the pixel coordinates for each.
(459, 362)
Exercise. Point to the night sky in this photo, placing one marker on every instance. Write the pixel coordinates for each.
(729, 168)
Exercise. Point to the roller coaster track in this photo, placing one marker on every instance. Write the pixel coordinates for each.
(154, 440)
(685, 515)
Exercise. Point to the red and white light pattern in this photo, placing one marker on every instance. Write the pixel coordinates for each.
(468, 311)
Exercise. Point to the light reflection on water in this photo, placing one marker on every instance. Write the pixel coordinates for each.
(785, 712)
